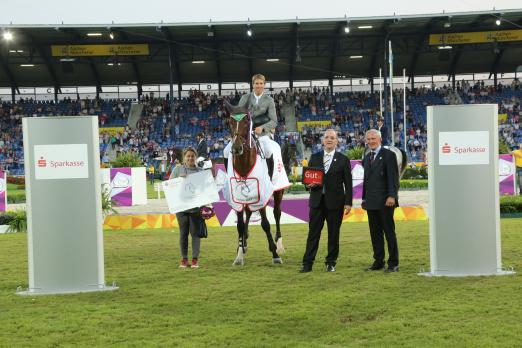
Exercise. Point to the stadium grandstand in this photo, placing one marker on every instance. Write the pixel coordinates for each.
(154, 87)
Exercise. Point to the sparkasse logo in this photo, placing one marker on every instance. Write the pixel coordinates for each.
(42, 163)
(61, 161)
(464, 148)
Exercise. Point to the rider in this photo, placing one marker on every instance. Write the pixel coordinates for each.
(259, 103)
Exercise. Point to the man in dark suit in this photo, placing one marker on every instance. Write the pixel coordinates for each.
(328, 201)
(382, 128)
(380, 197)
(202, 145)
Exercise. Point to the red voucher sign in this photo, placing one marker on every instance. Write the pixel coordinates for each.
(313, 175)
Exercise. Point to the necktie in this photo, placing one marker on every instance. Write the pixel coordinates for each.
(372, 157)
(327, 162)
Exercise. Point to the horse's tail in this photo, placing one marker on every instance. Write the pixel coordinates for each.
(404, 163)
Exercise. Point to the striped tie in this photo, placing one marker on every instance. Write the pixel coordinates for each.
(327, 162)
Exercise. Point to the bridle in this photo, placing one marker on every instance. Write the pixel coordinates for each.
(242, 138)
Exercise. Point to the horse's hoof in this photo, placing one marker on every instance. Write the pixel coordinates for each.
(277, 261)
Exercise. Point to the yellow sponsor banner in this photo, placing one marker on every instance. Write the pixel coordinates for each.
(99, 50)
(111, 130)
(301, 124)
(502, 118)
(475, 37)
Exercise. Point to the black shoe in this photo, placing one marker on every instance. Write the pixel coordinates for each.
(374, 267)
(330, 268)
(305, 269)
(392, 269)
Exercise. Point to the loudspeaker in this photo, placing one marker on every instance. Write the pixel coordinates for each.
(67, 68)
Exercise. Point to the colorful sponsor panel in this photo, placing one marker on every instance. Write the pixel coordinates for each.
(357, 178)
(121, 186)
(3, 192)
(99, 50)
(506, 175)
(294, 211)
(301, 124)
(111, 130)
(475, 37)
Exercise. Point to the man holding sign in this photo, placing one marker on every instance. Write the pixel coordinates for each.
(328, 200)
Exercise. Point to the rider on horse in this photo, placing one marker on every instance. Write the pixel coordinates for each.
(262, 105)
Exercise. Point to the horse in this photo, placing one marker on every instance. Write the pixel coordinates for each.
(400, 155)
(288, 152)
(244, 155)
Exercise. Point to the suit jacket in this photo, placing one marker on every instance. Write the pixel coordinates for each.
(202, 149)
(337, 182)
(384, 133)
(266, 105)
(381, 180)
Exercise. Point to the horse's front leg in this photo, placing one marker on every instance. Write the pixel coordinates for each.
(278, 197)
(240, 260)
(248, 214)
(271, 244)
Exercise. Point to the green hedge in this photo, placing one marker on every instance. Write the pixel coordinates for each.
(15, 197)
(416, 173)
(405, 184)
(510, 204)
(296, 188)
(17, 221)
(414, 184)
(126, 160)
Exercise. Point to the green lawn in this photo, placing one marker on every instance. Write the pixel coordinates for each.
(262, 305)
(14, 194)
(151, 190)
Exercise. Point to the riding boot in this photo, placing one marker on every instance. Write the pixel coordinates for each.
(270, 165)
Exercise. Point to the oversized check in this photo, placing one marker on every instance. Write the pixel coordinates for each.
(192, 191)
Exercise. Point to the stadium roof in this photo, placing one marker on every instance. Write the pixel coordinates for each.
(305, 50)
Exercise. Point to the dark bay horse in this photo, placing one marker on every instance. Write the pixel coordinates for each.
(244, 153)
(288, 152)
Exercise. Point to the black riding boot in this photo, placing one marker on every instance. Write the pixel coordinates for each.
(270, 165)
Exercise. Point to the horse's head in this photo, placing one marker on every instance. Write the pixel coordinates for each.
(240, 128)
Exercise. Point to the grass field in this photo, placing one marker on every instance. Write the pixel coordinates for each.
(262, 305)
(15, 194)
(151, 191)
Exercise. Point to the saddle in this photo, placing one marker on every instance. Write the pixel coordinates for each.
(260, 120)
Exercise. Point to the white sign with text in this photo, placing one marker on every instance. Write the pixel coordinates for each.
(192, 191)
(463, 148)
(64, 161)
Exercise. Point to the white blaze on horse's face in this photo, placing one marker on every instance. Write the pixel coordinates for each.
(239, 130)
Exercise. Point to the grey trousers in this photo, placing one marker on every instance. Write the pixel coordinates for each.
(188, 223)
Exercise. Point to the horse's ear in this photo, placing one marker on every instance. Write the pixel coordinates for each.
(228, 106)
(232, 109)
